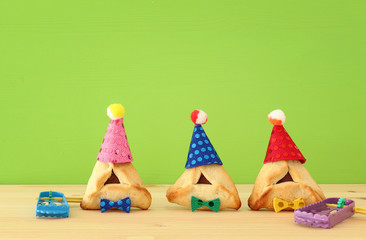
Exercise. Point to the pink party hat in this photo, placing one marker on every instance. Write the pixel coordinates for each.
(115, 147)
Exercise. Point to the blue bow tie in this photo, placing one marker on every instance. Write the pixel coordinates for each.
(124, 204)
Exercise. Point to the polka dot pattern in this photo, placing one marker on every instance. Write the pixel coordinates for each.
(123, 204)
(201, 151)
(281, 147)
(115, 146)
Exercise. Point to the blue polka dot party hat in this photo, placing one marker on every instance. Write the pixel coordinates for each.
(201, 152)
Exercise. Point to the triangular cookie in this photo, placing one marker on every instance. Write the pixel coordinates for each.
(204, 177)
(287, 180)
(103, 183)
(205, 182)
(283, 174)
(114, 177)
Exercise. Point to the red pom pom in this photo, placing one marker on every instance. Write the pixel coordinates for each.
(199, 117)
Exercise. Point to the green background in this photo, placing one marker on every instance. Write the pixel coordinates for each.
(63, 62)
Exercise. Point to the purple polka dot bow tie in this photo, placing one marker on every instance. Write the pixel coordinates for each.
(124, 204)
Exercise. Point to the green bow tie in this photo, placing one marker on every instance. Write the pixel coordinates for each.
(196, 203)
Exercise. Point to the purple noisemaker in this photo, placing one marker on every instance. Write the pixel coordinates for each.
(320, 215)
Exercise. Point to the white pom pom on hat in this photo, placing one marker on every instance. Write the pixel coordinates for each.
(199, 117)
(277, 117)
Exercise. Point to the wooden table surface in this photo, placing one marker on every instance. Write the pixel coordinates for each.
(165, 220)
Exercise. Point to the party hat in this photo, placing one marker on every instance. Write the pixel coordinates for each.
(201, 151)
(115, 148)
(281, 146)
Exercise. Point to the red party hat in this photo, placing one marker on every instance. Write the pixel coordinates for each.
(281, 146)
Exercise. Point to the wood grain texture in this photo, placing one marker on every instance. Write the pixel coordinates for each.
(165, 220)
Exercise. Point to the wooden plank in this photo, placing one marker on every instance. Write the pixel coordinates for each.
(165, 220)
